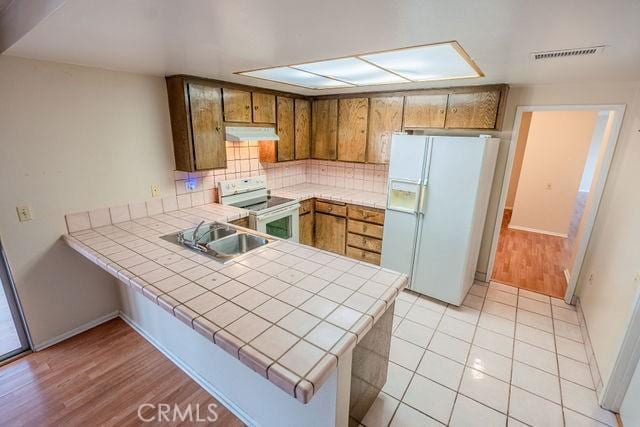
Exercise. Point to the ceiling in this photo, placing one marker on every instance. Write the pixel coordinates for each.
(215, 38)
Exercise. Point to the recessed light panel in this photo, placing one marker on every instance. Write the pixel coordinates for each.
(433, 62)
(295, 77)
(352, 70)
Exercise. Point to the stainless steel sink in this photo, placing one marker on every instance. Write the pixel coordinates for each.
(218, 241)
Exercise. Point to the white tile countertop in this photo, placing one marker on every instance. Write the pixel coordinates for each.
(285, 310)
(357, 197)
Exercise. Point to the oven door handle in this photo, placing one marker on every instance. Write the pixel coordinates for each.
(271, 215)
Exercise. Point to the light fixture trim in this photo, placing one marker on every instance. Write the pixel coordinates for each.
(353, 70)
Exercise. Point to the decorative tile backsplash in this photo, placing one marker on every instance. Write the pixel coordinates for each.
(357, 176)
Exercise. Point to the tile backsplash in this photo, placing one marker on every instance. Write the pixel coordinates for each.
(357, 176)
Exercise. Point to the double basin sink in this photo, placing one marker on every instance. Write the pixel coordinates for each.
(216, 240)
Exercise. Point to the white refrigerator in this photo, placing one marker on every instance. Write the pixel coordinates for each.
(438, 194)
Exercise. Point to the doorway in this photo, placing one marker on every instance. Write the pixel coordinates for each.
(558, 162)
(13, 337)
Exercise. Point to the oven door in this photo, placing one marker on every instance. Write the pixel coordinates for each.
(283, 223)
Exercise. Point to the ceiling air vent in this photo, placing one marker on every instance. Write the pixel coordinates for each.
(551, 54)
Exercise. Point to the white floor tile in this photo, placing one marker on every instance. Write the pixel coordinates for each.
(565, 315)
(535, 337)
(574, 419)
(450, 347)
(431, 398)
(405, 354)
(512, 422)
(469, 413)
(504, 288)
(572, 349)
(431, 304)
(535, 306)
(473, 301)
(401, 307)
(456, 328)
(535, 320)
(575, 371)
(567, 330)
(585, 402)
(503, 297)
(485, 389)
(495, 342)
(396, 321)
(423, 316)
(408, 417)
(408, 296)
(534, 410)
(560, 303)
(478, 290)
(497, 324)
(490, 363)
(536, 357)
(466, 314)
(381, 411)
(441, 370)
(536, 381)
(499, 309)
(413, 332)
(534, 295)
(398, 379)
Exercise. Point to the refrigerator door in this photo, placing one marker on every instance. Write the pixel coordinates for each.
(407, 156)
(452, 215)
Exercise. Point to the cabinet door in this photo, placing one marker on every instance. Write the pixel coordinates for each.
(352, 129)
(330, 233)
(324, 129)
(425, 111)
(285, 129)
(264, 107)
(306, 229)
(237, 105)
(303, 129)
(385, 117)
(477, 110)
(206, 127)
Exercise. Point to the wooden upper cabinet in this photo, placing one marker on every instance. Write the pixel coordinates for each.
(353, 115)
(324, 129)
(385, 117)
(237, 105)
(302, 128)
(264, 107)
(285, 129)
(473, 110)
(425, 111)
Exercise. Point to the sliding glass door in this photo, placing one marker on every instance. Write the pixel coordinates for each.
(13, 339)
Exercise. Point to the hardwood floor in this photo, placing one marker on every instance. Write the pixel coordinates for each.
(536, 261)
(100, 377)
(9, 340)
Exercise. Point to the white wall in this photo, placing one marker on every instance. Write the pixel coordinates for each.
(594, 150)
(521, 145)
(73, 138)
(552, 166)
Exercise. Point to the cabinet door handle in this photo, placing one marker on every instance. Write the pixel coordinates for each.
(246, 107)
(255, 108)
(330, 209)
(454, 109)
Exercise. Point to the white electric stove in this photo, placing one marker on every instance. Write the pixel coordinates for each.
(276, 216)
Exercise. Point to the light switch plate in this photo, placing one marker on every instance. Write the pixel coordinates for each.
(24, 213)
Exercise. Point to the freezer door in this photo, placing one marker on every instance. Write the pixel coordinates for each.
(398, 241)
(407, 157)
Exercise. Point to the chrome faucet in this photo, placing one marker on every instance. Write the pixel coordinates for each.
(195, 238)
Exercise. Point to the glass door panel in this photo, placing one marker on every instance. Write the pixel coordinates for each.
(13, 339)
(280, 227)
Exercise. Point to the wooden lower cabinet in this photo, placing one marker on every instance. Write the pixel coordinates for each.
(242, 222)
(362, 255)
(330, 232)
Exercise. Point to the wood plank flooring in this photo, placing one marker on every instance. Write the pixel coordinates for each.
(535, 261)
(99, 377)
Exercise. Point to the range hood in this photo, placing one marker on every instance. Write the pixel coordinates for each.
(250, 133)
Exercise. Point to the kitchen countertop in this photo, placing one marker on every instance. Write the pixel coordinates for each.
(357, 197)
(285, 310)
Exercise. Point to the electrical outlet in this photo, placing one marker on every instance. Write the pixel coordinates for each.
(155, 191)
(24, 213)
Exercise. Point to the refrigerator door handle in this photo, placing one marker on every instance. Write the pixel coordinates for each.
(423, 197)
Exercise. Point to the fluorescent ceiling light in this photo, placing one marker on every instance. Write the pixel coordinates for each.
(442, 61)
(352, 70)
(295, 77)
(433, 62)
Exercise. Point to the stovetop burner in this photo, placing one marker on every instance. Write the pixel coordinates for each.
(272, 201)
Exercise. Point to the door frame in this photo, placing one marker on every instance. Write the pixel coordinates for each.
(15, 308)
(597, 189)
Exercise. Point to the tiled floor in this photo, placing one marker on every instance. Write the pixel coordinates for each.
(9, 340)
(506, 357)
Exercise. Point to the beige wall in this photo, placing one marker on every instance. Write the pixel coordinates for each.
(72, 138)
(613, 251)
(552, 167)
(521, 145)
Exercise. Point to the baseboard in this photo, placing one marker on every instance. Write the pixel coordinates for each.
(75, 331)
(536, 230)
(567, 275)
(482, 277)
(206, 385)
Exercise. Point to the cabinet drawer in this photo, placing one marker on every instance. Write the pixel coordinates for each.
(306, 206)
(363, 255)
(359, 227)
(331, 208)
(364, 242)
(242, 222)
(362, 213)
